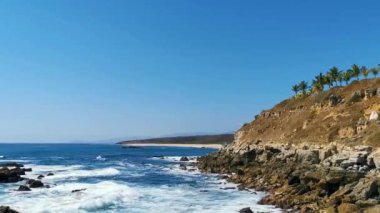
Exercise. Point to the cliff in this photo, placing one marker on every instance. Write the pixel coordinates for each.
(318, 153)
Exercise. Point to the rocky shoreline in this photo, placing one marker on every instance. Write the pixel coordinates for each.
(303, 178)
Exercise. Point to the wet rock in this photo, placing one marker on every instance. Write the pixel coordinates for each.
(23, 188)
(78, 190)
(49, 174)
(7, 209)
(182, 166)
(11, 175)
(34, 183)
(40, 177)
(245, 210)
(184, 158)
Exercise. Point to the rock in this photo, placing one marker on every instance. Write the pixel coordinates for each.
(246, 210)
(49, 174)
(40, 177)
(34, 183)
(182, 166)
(374, 116)
(23, 188)
(334, 100)
(78, 190)
(184, 159)
(292, 180)
(11, 164)
(374, 159)
(347, 208)
(374, 209)
(7, 209)
(11, 175)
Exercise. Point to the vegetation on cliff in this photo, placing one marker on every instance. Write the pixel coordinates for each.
(334, 75)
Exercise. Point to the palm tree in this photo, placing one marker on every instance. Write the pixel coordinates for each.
(340, 77)
(319, 79)
(317, 86)
(375, 71)
(295, 89)
(346, 76)
(364, 71)
(334, 73)
(355, 70)
(303, 86)
(328, 80)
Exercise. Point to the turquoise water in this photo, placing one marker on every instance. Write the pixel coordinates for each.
(116, 179)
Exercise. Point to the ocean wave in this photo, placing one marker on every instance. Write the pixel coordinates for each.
(61, 198)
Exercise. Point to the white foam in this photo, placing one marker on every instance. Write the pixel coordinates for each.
(68, 172)
(61, 198)
(99, 157)
(84, 173)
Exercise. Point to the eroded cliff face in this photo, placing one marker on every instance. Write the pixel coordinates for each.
(347, 115)
(315, 154)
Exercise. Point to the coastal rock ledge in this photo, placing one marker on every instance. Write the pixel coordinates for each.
(302, 178)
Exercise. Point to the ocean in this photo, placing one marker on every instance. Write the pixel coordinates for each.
(109, 178)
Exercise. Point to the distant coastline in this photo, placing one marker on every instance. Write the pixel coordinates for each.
(212, 146)
(198, 141)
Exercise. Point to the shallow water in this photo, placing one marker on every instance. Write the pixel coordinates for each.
(119, 180)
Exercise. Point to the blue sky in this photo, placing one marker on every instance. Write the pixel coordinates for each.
(93, 70)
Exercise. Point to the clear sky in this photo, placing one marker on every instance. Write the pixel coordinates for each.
(93, 70)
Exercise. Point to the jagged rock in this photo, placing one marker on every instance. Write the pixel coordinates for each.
(182, 166)
(7, 209)
(78, 190)
(334, 100)
(347, 208)
(184, 159)
(34, 183)
(246, 210)
(23, 188)
(374, 159)
(374, 209)
(374, 116)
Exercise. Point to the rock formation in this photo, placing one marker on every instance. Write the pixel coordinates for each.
(315, 154)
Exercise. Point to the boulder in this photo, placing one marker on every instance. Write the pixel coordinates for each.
(347, 208)
(7, 209)
(374, 209)
(23, 188)
(184, 159)
(49, 174)
(35, 183)
(246, 210)
(40, 177)
(374, 116)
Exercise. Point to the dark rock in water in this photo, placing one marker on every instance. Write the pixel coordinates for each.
(191, 170)
(28, 169)
(246, 210)
(77, 190)
(182, 166)
(7, 209)
(224, 177)
(23, 188)
(184, 159)
(228, 188)
(203, 190)
(50, 174)
(159, 156)
(40, 177)
(11, 175)
(34, 183)
(11, 164)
